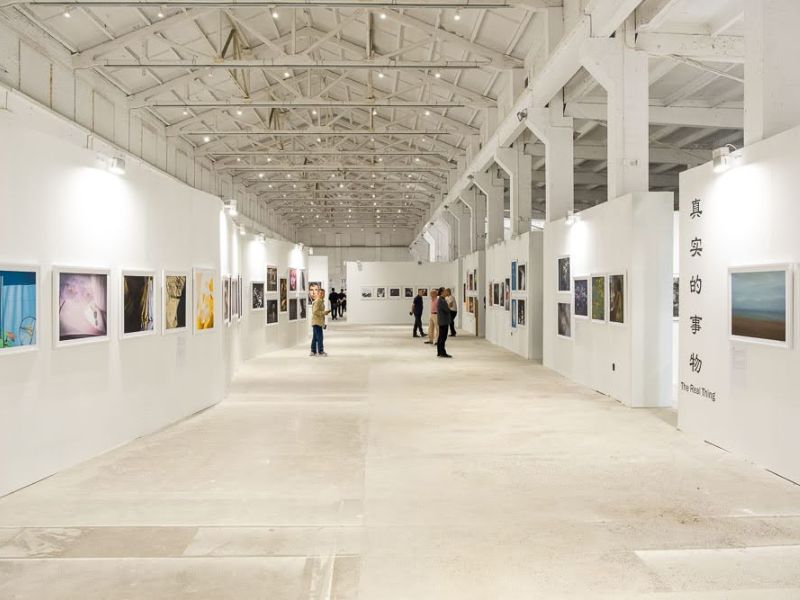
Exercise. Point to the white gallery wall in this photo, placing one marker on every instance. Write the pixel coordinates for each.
(318, 270)
(525, 340)
(393, 274)
(632, 361)
(339, 256)
(61, 406)
(474, 263)
(741, 395)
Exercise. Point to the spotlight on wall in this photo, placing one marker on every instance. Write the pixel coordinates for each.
(230, 206)
(242, 230)
(262, 238)
(117, 165)
(572, 218)
(522, 115)
(723, 158)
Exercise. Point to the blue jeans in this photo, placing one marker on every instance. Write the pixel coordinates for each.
(316, 339)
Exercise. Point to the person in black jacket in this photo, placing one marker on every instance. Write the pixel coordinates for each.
(416, 310)
(444, 319)
(333, 298)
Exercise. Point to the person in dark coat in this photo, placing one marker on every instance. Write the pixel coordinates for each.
(333, 298)
(444, 319)
(416, 310)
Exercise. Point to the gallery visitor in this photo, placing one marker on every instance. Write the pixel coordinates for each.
(453, 306)
(342, 303)
(416, 311)
(443, 318)
(433, 324)
(333, 298)
(318, 313)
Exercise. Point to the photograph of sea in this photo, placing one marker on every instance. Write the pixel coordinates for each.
(758, 305)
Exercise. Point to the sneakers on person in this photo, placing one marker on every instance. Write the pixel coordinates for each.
(323, 354)
(313, 354)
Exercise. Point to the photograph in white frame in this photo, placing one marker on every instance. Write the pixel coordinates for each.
(81, 312)
(564, 274)
(597, 300)
(580, 295)
(20, 306)
(204, 300)
(564, 320)
(138, 302)
(367, 293)
(175, 301)
(616, 298)
(760, 304)
(258, 296)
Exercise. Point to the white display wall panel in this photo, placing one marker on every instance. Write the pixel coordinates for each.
(630, 236)
(742, 396)
(525, 340)
(389, 311)
(318, 270)
(473, 263)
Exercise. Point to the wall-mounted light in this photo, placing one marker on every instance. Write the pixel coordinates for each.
(522, 115)
(230, 206)
(723, 158)
(116, 165)
(572, 218)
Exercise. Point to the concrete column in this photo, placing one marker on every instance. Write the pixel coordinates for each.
(772, 79)
(492, 187)
(623, 73)
(477, 222)
(519, 167)
(463, 218)
(451, 226)
(556, 133)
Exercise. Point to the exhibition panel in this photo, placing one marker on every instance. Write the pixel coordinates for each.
(739, 352)
(473, 301)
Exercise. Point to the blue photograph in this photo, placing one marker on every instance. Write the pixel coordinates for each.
(514, 276)
(17, 309)
(758, 305)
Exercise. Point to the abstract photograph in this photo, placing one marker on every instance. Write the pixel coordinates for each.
(394, 293)
(470, 281)
(138, 304)
(490, 295)
(272, 312)
(293, 309)
(257, 295)
(759, 304)
(82, 306)
(599, 298)
(496, 298)
(471, 304)
(564, 320)
(522, 281)
(581, 295)
(676, 296)
(564, 274)
(272, 279)
(514, 276)
(513, 313)
(302, 280)
(302, 308)
(507, 295)
(284, 294)
(521, 312)
(616, 298)
(203, 299)
(367, 293)
(18, 309)
(292, 280)
(176, 302)
(226, 299)
(408, 292)
(380, 293)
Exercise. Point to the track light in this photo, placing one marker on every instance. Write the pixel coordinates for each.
(723, 158)
(571, 218)
(117, 165)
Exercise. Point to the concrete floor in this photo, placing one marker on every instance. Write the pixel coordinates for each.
(383, 473)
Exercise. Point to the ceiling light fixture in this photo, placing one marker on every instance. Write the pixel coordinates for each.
(239, 112)
(185, 113)
(437, 75)
(67, 12)
(286, 74)
(383, 15)
(275, 14)
(261, 176)
(161, 11)
(457, 16)
(206, 139)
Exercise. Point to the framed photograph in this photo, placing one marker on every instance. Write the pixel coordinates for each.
(522, 277)
(564, 275)
(490, 295)
(496, 291)
(760, 304)
(257, 295)
(394, 293)
(599, 298)
(513, 313)
(313, 286)
(513, 276)
(616, 299)
(80, 305)
(20, 299)
(284, 294)
(138, 307)
(302, 308)
(423, 292)
(302, 280)
(380, 293)
(175, 301)
(470, 281)
(470, 304)
(203, 299)
(292, 280)
(240, 297)
(367, 293)
(226, 299)
(507, 295)
(408, 292)
(676, 296)
(580, 287)
(521, 312)
(565, 320)
(272, 279)
(293, 309)
(474, 280)
(234, 297)
(272, 311)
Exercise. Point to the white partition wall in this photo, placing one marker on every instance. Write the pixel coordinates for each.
(364, 276)
(741, 392)
(58, 209)
(630, 237)
(473, 268)
(504, 327)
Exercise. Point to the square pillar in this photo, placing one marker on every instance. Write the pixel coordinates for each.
(556, 133)
(519, 167)
(493, 188)
(477, 209)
